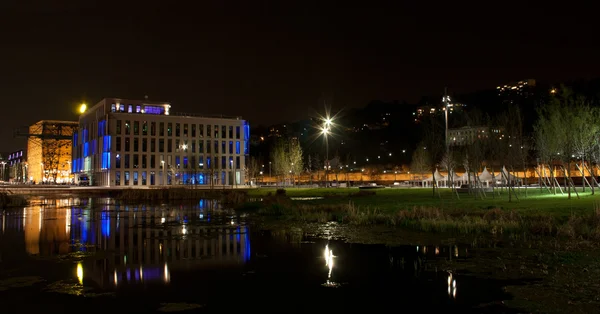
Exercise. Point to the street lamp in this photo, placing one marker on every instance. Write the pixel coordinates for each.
(325, 132)
(270, 177)
(82, 108)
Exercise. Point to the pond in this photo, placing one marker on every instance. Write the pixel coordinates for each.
(97, 255)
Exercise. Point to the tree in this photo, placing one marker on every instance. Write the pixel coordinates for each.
(252, 169)
(420, 161)
(279, 159)
(435, 144)
(295, 158)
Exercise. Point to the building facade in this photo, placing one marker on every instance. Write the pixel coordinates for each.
(49, 147)
(139, 143)
(17, 165)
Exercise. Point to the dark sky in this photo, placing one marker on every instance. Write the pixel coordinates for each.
(276, 61)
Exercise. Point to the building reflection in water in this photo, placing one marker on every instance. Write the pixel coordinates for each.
(140, 243)
(452, 286)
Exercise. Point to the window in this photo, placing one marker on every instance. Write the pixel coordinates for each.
(127, 144)
(231, 131)
(143, 177)
(230, 162)
(152, 128)
(152, 145)
(194, 130)
(237, 132)
(118, 161)
(136, 144)
(207, 162)
(152, 161)
(177, 145)
(136, 127)
(208, 131)
(170, 146)
(127, 127)
(223, 131)
(129, 108)
(223, 147)
(152, 178)
(201, 130)
(118, 143)
(223, 162)
(177, 129)
(144, 160)
(138, 109)
(200, 162)
(237, 147)
(193, 162)
(208, 147)
(144, 145)
(113, 108)
(237, 162)
(216, 131)
(178, 161)
(170, 129)
(185, 129)
(162, 161)
(161, 129)
(118, 127)
(201, 146)
(185, 162)
(161, 145)
(193, 146)
(135, 178)
(145, 128)
(231, 147)
(126, 161)
(136, 161)
(126, 178)
(117, 177)
(216, 151)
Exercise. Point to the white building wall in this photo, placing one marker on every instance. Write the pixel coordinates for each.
(158, 149)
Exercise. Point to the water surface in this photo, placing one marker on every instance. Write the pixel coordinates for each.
(96, 255)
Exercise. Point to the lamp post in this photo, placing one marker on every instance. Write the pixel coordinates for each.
(270, 177)
(446, 100)
(325, 131)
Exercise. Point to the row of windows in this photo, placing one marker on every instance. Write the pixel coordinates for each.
(201, 146)
(145, 178)
(128, 161)
(181, 129)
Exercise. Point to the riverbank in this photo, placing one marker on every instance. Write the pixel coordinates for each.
(415, 209)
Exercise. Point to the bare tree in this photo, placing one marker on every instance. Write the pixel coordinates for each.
(252, 169)
(420, 161)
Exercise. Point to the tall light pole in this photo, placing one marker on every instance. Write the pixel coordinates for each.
(270, 177)
(446, 102)
(325, 133)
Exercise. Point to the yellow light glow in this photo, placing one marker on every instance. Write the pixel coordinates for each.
(80, 273)
(82, 108)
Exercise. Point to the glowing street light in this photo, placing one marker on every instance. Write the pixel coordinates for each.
(82, 108)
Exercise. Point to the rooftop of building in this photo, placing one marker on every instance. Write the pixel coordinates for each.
(166, 105)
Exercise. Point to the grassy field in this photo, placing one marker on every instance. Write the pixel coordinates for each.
(536, 202)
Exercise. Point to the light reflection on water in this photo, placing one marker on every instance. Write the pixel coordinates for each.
(138, 243)
(177, 249)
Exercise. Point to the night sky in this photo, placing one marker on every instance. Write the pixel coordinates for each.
(275, 61)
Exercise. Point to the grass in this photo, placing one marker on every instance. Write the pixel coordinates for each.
(539, 214)
(391, 200)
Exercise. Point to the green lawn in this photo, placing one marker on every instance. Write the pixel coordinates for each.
(536, 202)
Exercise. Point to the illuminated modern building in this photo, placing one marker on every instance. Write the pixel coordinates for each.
(139, 143)
(49, 147)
